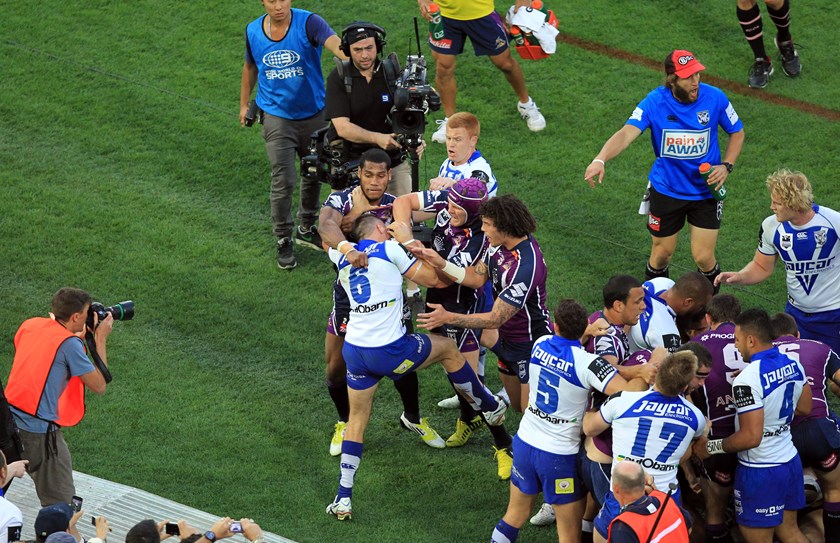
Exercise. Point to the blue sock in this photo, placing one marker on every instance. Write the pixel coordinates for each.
(504, 533)
(351, 456)
(467, 382)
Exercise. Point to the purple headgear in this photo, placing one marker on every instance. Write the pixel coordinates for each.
(468, 194)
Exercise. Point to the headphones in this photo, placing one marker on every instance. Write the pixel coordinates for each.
(366, 30)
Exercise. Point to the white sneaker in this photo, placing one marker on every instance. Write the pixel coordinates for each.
(341, 508)
(531, 113)
(450, 403)
(544, 516)
(497, 416)
(440, 134)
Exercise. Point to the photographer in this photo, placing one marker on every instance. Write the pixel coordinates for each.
(46, 387)
(360, 95)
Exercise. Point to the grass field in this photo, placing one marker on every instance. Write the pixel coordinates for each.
(123, 171)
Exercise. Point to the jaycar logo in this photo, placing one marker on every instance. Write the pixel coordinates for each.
(685, 59)
(281, 59)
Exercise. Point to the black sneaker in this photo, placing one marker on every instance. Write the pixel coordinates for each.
(790, 58)
(285, 254)
(309, 237)
(760, 73)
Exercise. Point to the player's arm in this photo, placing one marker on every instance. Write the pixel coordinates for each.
(424, 275)
(805, 402)
(404, 206)
(332, 237)
(594, 423)
(760, 268)
(614, 146)
(750, 425)
(471, 276)
(500, 314)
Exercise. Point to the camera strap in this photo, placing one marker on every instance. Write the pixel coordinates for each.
(390, 66)
(97, 360)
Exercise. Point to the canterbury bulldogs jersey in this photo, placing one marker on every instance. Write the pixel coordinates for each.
(684, 136)
(773, 382)
(463, 246)
(811, 255)
(652, 429)
(561, 376)
(818, 360)
(715, 397)
(518, 278)
(476, 166)
(657, 326)
(375, 293)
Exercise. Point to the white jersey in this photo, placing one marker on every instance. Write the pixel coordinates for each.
(561, 375)
(653, 430)
(811, 255)
(657, 326)
(375, 292)
(476, 166)
(772, 382)
(9, 516)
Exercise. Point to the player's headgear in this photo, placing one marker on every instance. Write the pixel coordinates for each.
(360, 30)
(682, 63)
(468, 194)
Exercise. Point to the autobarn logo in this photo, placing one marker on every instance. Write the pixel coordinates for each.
(370, 308)
(649, 463)
(281, 59)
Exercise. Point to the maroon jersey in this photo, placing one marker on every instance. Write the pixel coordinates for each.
(715, 397)
(818, 360)
(613, 343)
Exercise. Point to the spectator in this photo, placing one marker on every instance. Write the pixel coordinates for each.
(58, 517)
(10, 515)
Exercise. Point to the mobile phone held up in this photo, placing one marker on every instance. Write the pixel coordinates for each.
(235, 527)
(172, 528)
(76, 504)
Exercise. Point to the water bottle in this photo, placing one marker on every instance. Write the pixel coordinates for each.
(539, 5)
(516, 35)
(435, 23)
(719, 193)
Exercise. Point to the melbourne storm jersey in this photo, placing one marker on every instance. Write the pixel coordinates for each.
(811, 255)
(463, 246)
(773, 382)
(564, 374)
(375, 293)
(518, 278)
(684, 136)
(715, 396)
(613, 343)
(476, 166)
(657, 326)
(818, 360)
(652, 429)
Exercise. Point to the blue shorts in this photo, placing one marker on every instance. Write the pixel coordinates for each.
(612, 509)
(818, 443)
(487, 34)
(823, 326)
(535, 470)
(514, 358)
(596, 477)
(762, 505)
(367, 365)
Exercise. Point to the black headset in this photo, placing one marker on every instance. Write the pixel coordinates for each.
(369, 30)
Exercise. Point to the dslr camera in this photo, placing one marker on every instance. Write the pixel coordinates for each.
(326, 162)
(413, 97)
(123, 311)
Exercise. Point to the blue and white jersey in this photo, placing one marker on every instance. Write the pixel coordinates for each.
(773, 382)
(652, 429)
(290, 83)
(564, 375)
(657, 326)
(684, 136)
(476, 166)
(375, 292)
(811, 255)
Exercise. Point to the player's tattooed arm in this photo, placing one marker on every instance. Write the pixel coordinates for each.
(500, 314)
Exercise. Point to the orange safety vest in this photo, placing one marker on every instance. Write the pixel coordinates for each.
(36, 343)
(671, 528)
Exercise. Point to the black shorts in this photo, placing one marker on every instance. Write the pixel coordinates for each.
(818, 442)
(667, 215)
(514, 358)
(718, 468)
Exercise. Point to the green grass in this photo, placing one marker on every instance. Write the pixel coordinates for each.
(124, 172)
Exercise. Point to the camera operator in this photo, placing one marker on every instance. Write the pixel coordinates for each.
(360, 95)
(46, 387)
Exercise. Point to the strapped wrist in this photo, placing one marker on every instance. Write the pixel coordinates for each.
(456, 272)
(715, 446)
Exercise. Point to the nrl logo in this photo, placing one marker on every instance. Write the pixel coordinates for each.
(703, 117)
